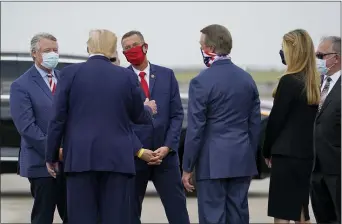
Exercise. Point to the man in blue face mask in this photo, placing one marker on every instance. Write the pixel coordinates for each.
(31, 101)
(328, 58)
(326, 177)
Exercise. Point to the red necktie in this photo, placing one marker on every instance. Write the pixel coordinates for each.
(143, 84)
(52, 84)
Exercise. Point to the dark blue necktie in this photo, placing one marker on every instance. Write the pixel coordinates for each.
(322, 79)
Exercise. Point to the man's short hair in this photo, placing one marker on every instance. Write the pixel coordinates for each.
(131, 33)
(102, 41)
(36, 38)
(335, 43)
(219, 38)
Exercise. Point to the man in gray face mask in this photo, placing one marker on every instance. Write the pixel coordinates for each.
(31, 103)
(326, 176)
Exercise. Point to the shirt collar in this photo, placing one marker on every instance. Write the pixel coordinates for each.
(334, 77)
(146, 70)
(44, 73)
(96, 55)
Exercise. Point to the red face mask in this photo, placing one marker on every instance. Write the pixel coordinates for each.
(136, 55)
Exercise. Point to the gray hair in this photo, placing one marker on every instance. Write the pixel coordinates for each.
(335, 43)
(133, 32)
(36, 38)
(219, 38)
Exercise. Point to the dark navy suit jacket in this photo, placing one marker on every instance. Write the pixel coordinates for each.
(94, 103)
(223, 123)
(167, 123)
(30, 104)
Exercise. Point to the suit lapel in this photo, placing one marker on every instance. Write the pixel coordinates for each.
(56, 72)
(37, 78)
(152, 78)
(331, 95)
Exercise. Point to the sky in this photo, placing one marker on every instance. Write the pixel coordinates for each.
(172, 29)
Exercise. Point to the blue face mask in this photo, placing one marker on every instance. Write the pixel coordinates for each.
(50, 60)
(322, 66)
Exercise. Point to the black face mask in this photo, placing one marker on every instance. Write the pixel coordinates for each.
(281, 52)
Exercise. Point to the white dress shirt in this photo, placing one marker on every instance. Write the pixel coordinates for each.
(147, 76)
(44, 75)
(334, 78)
(91, 55)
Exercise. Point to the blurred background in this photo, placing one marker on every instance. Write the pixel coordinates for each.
(172, 30)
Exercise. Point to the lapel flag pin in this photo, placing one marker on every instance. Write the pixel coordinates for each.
(152, 76)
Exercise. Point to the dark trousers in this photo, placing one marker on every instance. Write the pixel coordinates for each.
(222, 201)
(168, 183)
(96, 196)
(326, 197)
(48, 193)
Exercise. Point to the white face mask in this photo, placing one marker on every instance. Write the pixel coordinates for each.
(50, 60)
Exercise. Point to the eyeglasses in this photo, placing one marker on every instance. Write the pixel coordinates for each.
(321, 55)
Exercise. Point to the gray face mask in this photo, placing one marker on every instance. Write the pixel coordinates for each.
(50, 60)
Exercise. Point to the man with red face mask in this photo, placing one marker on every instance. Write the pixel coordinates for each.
(159, 84)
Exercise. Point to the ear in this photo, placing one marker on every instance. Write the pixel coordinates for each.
(145, 48)
(34, 54)
(211, 49)
(208, 49)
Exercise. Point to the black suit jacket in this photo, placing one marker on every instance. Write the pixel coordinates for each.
(328, 134)
(291, 121)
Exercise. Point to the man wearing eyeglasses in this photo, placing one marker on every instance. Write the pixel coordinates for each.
(326, 177)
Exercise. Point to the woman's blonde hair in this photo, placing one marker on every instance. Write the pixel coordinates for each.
(102, 42)
(300, 56)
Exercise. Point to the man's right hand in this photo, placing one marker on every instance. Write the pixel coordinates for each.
(152, 104)
(149, 156)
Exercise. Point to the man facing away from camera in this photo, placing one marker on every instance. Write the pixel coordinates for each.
(222, 134)
(94, 105)
(162, 136)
